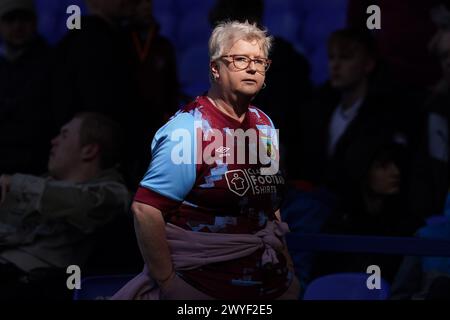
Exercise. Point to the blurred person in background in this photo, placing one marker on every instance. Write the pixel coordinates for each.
(94, 70)
(348, 107)
(372, 203)
(423, 277)
(93, 64)
(25, 68)
(406, 29)
(155, 71)
(47, 222)
(431, 159)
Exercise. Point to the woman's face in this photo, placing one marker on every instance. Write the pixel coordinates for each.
(246, 82)
(384, 178)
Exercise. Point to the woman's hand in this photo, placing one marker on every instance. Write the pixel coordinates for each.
(151, 234)
(164, 283)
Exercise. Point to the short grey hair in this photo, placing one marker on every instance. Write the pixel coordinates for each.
(225, 34)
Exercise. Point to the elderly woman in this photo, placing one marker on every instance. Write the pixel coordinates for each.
(206, 211)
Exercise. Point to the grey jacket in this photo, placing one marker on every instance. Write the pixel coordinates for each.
(48, 223)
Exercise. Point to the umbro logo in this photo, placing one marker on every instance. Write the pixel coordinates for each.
(223, 151)
(262, 142)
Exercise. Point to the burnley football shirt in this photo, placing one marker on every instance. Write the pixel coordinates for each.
(212, 173)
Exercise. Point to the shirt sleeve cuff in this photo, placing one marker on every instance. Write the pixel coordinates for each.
(155, 200)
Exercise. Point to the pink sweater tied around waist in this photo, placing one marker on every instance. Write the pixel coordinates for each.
(191, 250)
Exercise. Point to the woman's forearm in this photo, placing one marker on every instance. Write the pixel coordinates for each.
(151, 234)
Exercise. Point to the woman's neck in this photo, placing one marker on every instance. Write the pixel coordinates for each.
(232, 105)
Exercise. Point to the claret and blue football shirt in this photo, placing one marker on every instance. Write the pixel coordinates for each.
(203, 182)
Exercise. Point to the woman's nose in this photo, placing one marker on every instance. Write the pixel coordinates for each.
(252, 66)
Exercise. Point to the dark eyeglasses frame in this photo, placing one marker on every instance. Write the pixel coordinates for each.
(233, 57)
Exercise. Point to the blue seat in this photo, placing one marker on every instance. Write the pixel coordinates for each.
(194, 70)
(305, 212)
(437, 219)
(101, 287)
(52, 17)
(345, 286)
(437, 228)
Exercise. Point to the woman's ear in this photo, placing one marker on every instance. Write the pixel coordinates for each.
(214, 70)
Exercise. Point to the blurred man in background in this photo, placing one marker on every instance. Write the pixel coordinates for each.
(25, 67)
(430, 172)
(349, 107)
(47, 223)
(155, 71)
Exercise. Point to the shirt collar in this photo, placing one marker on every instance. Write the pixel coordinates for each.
(352, 111)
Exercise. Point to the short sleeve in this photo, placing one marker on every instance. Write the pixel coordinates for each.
(172, 170)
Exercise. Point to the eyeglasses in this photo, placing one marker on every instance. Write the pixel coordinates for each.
(243, 62)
